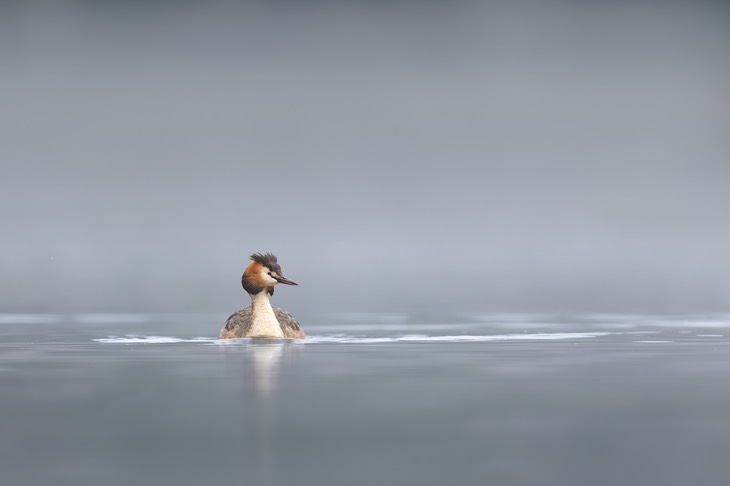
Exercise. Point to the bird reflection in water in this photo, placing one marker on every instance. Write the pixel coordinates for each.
(261, 360)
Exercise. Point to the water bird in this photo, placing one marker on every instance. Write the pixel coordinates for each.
(260, 319)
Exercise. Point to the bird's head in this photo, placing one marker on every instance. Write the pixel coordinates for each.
(262, 274)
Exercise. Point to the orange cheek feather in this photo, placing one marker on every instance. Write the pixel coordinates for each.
(253, 269)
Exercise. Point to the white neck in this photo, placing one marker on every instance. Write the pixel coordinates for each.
(263, 320)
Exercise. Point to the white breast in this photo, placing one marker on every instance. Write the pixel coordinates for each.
(263, 320)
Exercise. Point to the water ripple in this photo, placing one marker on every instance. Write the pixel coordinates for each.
(360, 340)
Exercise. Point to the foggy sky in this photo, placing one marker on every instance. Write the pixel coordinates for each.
(551, 156)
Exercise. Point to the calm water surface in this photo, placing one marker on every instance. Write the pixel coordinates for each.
(367, 399)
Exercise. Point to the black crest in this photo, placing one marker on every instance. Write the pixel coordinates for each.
(268, 260)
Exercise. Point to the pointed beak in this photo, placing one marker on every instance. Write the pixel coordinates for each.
(283, 280)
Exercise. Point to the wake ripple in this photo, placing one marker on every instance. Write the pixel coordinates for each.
(342, 339)
(151, 340)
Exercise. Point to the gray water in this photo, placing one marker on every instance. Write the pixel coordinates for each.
(366, 399)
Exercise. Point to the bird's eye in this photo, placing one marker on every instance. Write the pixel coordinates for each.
(269, 274)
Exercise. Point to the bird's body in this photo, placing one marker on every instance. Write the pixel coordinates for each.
(260, 319)
(240, 322)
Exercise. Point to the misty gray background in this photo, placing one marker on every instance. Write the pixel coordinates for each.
(505, 156)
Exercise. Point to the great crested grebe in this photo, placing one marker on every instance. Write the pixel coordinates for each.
(260, 319)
